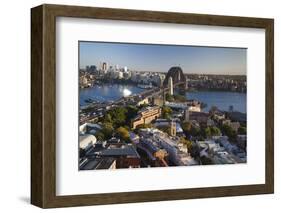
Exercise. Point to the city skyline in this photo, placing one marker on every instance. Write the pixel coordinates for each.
(159, 58)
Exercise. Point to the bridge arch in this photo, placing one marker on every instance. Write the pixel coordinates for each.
(177, 75)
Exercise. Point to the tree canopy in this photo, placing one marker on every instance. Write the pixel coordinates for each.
(123, 133)
(166, 112)
(169, 97)
(120, 116)
(107, 130)
(242, 130)
(229, 131)
(179, 98)
(186, 142)
(100, 136)
(190, 130)
(211, 131)
(176, 97)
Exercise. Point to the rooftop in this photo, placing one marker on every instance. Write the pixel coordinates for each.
(128, 151)
(98, 163)
(86, 139)
(149, 108)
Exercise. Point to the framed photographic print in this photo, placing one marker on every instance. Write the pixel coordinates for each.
(137, 106)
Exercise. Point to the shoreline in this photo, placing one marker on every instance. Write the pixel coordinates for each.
(136, 85)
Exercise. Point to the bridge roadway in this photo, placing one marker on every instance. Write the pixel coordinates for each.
(124, 101)
(150, 93)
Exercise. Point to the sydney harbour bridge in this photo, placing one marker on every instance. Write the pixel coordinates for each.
(174, 75)
(179, 82)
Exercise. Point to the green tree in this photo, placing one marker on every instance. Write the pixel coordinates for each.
(211, 131)
(123, 133)
(107, 118)
(186, 126)
(242, 130)
(169, 97)
(228, 131)
(144, 126)
(207, 132)
(100, 136)
(118, 116)
(143, 105)
(166, 112)
(190, 130)
(195, 131)
(107, 130)
(215, 131)
(131, 113)
(186, 142)
(180, 98)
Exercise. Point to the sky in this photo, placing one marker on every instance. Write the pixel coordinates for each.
(160, 58)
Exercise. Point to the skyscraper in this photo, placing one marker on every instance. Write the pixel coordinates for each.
(104, 66)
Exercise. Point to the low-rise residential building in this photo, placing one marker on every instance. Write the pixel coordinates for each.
(90, 128)
(218, 115)
(224, 157)
(170, 144)
(242, 141)
(134, 138)
(201, 117)
(146, 115)
(142, 102)
(221, 152)
(110, 156)
(175, 105)
(190, 106)
(186, 160)
(126, 156)
(210, 122)
(86, 141)
(98, 163)
(224, 142)
(166, 122)
(193, 105)
(208, 148)
(234, 125)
